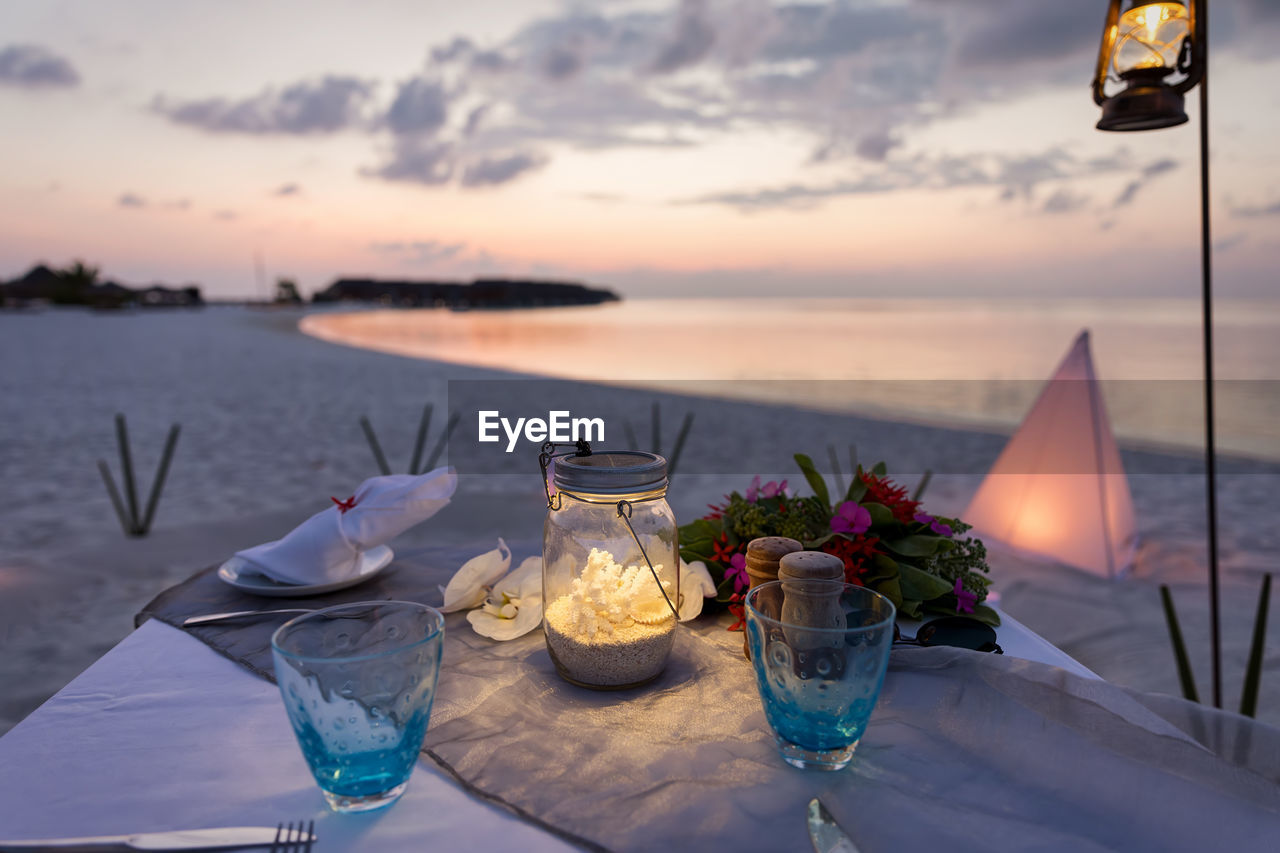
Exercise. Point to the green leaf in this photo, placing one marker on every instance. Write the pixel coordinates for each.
(815, 480)
(816, 544)
(891, 590)
(914, 546)
(692, 555)
(882, 568)
(911, 609)
(917, 583)
(857, 488)
(724, 590)
(983, 613)
(880, 469)
(880, 514)
(701, 528)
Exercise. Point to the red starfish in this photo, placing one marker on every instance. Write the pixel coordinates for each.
(343, 506)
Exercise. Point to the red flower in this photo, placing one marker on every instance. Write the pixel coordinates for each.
(882, 490)
(717, 510)
(857, 554)
(721, 552)
(738, 609)
(343, 506)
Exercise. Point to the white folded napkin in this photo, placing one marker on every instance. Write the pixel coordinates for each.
(326, 547)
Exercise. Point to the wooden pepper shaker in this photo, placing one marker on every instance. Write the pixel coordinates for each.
(763, 555)
(802, 604)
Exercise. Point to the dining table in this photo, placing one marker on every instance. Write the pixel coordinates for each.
(179, 728)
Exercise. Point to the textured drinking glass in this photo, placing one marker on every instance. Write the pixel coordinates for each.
(820, 649)
(357, 681)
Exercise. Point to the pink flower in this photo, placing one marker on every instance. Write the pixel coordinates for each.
(769, 490)
(851, 518)
(936, 526)
(964, 599)
(738, 571)
(774, 490)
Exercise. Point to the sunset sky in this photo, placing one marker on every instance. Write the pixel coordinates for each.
(709, 147)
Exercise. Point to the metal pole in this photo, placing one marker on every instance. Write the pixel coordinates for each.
(1206, 299)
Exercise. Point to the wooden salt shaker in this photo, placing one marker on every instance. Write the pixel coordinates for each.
(763, 555)
(803, 606)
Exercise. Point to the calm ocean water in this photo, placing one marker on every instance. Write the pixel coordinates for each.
(270, 417)
(975, 361)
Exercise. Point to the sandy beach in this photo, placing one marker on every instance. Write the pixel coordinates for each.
(270, 430)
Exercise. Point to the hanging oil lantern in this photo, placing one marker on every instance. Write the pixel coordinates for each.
(1155, 52)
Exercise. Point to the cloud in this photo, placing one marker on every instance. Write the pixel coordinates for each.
(1016, 176)
(419, 251)
(491, 171)
(1230, 241)
(34, 67)
(285, 190)
(1000, 34)
(420, 106)
(1126, 195)
(818, 32)
(1150, 171)
(417, 161)
(327, 105)
(179, 204)
(1064, 201)
(689, 42)
(876, 146)
(1256, 211)
(797, 196)
(226, 215)
(131, 200)
(851, 79)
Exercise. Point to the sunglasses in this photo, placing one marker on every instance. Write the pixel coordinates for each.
(958, 631)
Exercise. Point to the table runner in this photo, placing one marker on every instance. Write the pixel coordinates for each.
(965, 751)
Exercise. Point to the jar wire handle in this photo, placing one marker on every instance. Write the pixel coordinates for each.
(624, 512)
(581, 448)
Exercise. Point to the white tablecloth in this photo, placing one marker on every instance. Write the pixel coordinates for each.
(163, 733)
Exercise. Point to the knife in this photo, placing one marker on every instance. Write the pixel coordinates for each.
(238, 614)
(187, 839)
(825, 833)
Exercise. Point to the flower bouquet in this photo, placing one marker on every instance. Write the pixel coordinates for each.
(922, 563)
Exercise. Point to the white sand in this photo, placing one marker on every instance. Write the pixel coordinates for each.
(270, 431)
(630, 654)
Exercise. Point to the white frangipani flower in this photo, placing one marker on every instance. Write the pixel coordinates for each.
(471, 584)
(514, 605)
(695, 586)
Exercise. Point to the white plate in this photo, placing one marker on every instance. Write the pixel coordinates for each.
(242, 574)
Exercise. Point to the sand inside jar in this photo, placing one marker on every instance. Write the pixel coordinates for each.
(630, 654)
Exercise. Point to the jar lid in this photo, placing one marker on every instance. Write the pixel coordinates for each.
(617, 472)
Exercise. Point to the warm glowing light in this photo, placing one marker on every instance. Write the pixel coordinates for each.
(1059, 489)
(1150, 36)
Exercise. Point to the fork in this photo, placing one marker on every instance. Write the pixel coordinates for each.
(289, 840)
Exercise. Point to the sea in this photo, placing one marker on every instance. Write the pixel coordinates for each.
(270, 417)
(977, 362)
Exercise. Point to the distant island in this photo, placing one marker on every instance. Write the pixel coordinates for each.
(481, 293)
(78, 284)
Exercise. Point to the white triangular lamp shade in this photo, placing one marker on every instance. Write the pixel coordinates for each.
(1059, 489)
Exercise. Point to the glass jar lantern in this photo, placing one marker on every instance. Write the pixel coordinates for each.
(610, 569)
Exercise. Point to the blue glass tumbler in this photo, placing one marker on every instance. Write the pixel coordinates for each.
(820, 649)
(358, 681)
